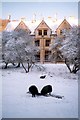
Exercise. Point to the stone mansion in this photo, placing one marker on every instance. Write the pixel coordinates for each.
(44, 32)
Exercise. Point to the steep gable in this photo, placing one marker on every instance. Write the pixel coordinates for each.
(43, 25)
(3, 24)
(22, 25)
(64, 25)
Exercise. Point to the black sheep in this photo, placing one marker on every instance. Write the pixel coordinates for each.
(46, 89)
(33, 90)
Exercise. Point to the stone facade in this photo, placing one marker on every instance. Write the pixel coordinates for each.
(43, 36)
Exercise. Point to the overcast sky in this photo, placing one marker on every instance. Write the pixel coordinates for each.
(40, 9)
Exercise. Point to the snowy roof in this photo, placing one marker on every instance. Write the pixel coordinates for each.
(53, 24)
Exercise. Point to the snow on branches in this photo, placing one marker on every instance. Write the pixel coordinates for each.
(69, 45)
(19, 48)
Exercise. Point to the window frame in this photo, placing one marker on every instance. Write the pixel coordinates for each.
(39, 32)
(47, 43)
(45, 31)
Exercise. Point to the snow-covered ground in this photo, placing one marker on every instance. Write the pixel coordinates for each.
(16, 103)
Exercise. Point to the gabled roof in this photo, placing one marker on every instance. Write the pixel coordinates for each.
(3, 24)
(52, 25)
(43, 24)
(14, 23)
(22, 25)
(64, 21)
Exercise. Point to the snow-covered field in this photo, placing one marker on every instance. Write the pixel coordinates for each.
(16, 103)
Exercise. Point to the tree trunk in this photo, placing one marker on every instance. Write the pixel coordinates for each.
(6, 66)
(68, 65)
(24, 68)
(28, 67)
(75, 68)
(13, 64)
(18, 65)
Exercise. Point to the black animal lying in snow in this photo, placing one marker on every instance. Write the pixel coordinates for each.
(46, 89)
(33, 90)
(42, 77)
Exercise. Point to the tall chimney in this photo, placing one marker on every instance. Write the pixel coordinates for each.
(34, 18)
(9, 17)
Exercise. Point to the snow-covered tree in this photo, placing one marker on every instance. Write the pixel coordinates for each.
(70, 49)
(6, 36)
(0, 46)
(20, 48)
(56, 55)
(69, 46)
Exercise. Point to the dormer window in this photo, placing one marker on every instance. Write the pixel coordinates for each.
(61, 32)
(40, 32)
(45, 32)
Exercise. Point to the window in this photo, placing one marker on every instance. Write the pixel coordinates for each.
(37, 43)
(47, 53)
(48, 42)
(45, 32)
(61, 32)
(37, 57)
(40, 32)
